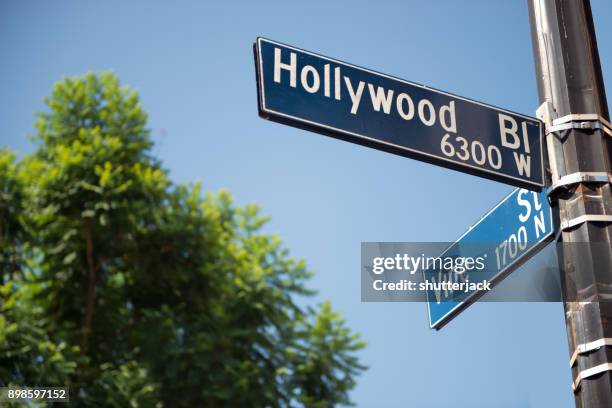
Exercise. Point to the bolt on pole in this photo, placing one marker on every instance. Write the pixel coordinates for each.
(579, 142)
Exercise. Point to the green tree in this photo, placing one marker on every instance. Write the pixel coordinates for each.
(153, 293)
(12, 231)
(27, 354)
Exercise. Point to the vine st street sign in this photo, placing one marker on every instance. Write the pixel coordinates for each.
(513, 231)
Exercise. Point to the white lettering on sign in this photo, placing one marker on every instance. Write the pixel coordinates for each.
(508, 130)
(386, 101)
(513, 136)
(406, 113)
(291, 67)
(516, 243)
(471, 151)
(316, 82)
(448, 112)
(355, 96)
(380, 97)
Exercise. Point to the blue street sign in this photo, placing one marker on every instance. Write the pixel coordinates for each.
(306, 90)
(517, 228)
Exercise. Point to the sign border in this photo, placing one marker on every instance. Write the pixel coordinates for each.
(501, 275)
(378, 144)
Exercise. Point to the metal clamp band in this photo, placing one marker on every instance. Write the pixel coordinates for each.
(581, 177)
(567, 224)
(590, 372)
(579, 125)
(590, 346)
(580, 121)
(586, 117)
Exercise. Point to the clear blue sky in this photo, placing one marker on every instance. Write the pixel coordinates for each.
(193, 65)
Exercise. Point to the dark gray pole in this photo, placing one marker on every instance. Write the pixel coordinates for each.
(579, 142)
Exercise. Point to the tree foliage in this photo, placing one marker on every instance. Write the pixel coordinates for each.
(136, 291)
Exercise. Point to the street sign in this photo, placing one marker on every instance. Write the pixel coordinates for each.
(324, 95)
(513, 231)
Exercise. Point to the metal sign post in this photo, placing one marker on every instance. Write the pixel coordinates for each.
(579, 142)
